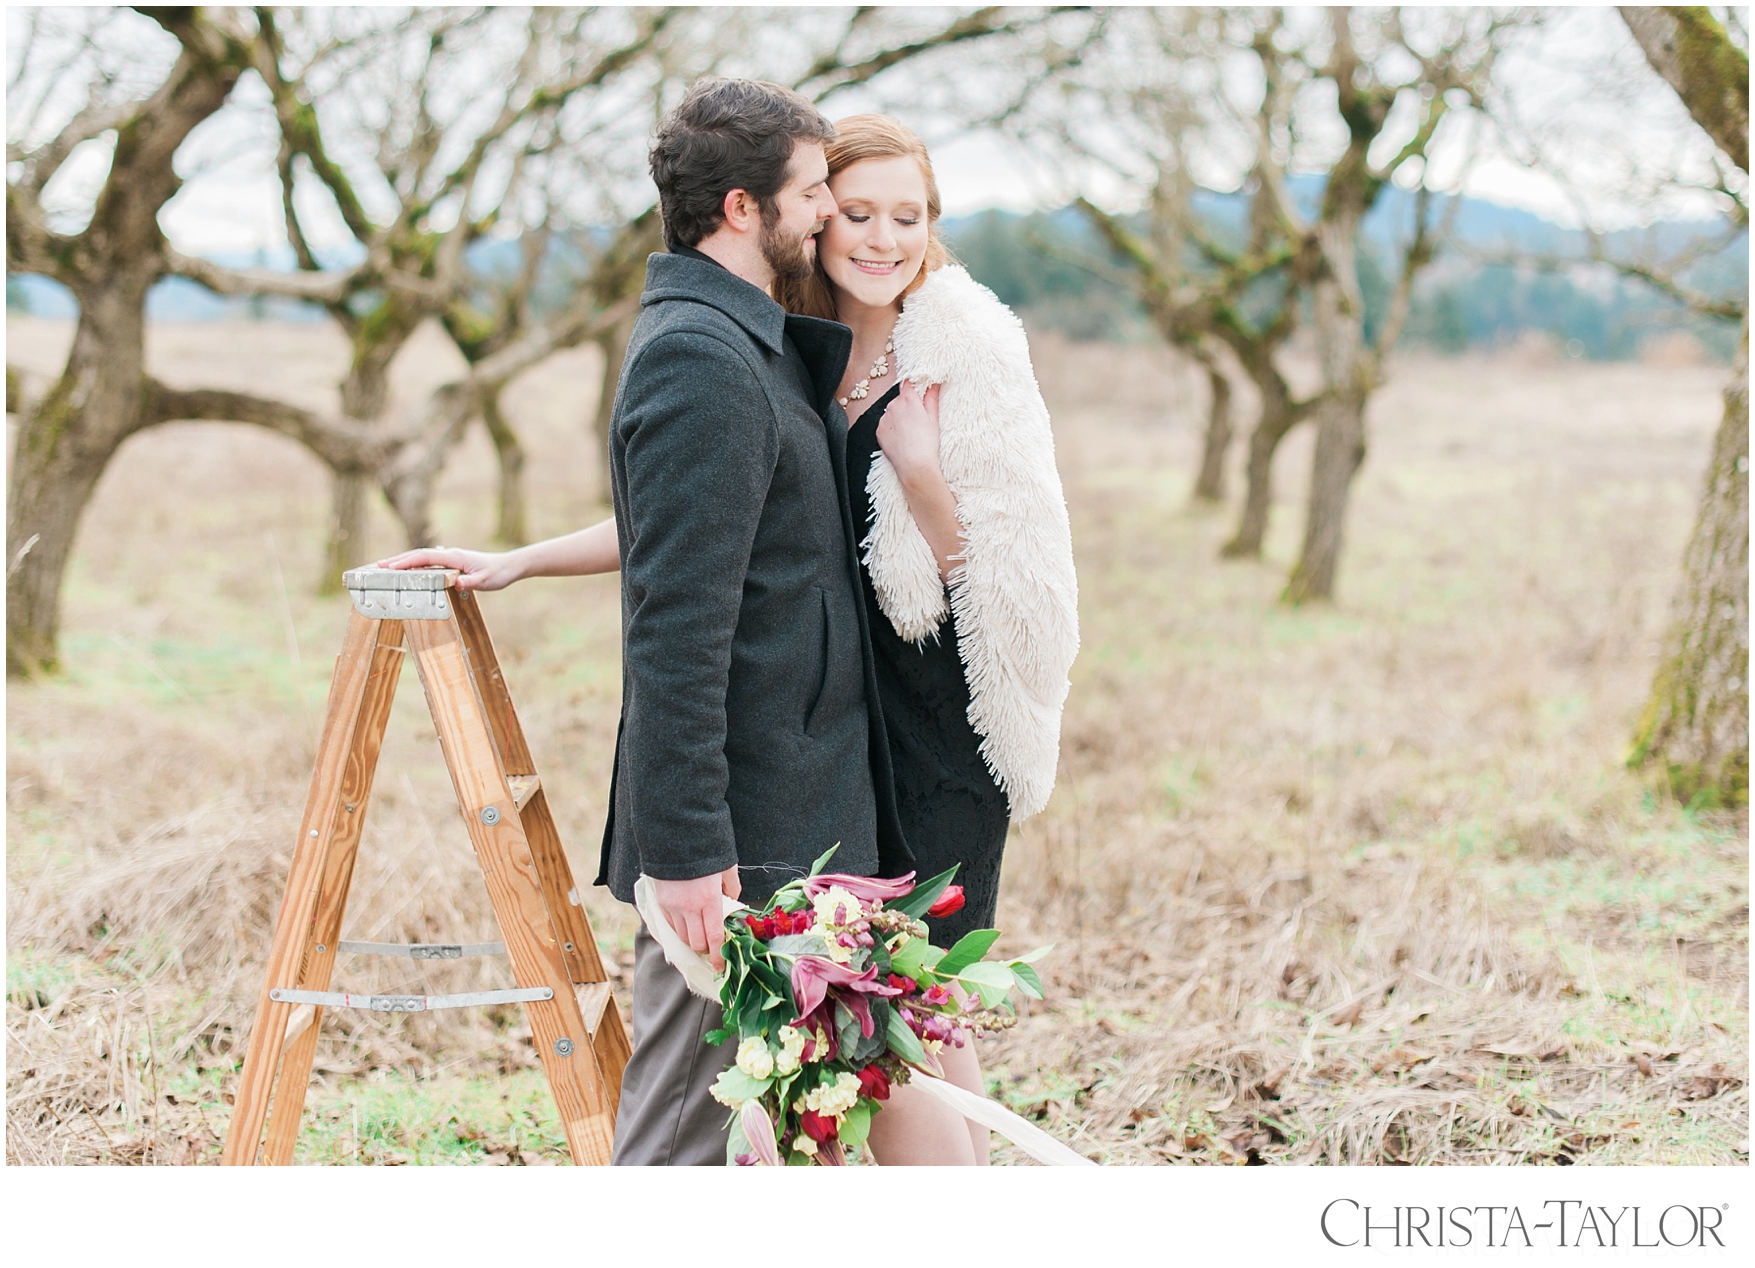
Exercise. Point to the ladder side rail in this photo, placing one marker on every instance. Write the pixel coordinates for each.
(292, 926)
(324, 940)
(559, 890)
(586, 1100)
(490, 684)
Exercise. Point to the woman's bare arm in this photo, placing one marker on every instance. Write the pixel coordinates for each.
(588, 552)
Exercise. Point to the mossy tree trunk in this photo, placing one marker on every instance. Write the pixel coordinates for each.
(1695, 725)
(514, 527)
(64, 443)
(1209, 485)
(1338, 315)
(103, 395)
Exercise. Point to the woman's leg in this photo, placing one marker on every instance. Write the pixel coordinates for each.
(962, 1066)
(916, 1129)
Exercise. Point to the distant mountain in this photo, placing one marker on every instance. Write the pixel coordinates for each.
(1031, 262)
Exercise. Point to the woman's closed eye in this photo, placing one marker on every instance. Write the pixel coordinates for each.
(859, 219)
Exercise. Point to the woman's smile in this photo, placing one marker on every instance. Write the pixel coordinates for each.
(874, 245)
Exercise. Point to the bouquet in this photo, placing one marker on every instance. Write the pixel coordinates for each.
(834, 996)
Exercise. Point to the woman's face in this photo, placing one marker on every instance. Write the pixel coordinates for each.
(875, 243)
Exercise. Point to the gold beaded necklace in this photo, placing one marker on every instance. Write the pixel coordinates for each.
(879, 368)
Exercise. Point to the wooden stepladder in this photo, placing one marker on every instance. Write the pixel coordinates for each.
(576, 1025)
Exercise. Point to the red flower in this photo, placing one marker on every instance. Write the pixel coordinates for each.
(819, 1127)
(874, 1083)
(903, 984)
(949, 903)
(779, 923)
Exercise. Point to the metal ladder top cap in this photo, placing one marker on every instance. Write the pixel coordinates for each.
(398, 578)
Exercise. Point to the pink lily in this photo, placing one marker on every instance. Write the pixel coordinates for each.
(813, 975)
(758, 1129)
(868, 889)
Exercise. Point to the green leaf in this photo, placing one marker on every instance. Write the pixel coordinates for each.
(904, 1042)
(970, 948)
(856, 1124)
(1028, 982)
(797, 944)
(1032, 956)
(924, 895)
(823, 862)
(909, 957)
(846, 1027)
(740, 1086)
(992, 981)
(716, 1036)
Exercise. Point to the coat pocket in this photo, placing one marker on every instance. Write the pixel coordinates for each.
(825, 660)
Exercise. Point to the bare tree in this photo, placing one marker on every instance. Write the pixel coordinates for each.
(429, 162)
(1414, 68)
(1205, 284)
(435, 127)
(1695, 724)
(103, 395)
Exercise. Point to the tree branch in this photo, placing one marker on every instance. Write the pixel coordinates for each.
(1695, 56)
(353, 450)
(319, 287)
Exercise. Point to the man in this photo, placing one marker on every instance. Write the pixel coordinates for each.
(751, 738)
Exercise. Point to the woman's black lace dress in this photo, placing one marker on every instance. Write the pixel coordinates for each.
(951, 810)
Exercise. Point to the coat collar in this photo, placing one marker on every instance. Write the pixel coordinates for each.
(823, 345)
(705, 281)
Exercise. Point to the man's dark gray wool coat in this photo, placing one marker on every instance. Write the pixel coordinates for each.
(750, 731)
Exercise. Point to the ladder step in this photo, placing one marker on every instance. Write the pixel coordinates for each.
(425, 950)
(411, 1003)
(593, 998)
(524, 787)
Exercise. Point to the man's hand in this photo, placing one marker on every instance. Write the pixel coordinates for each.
(696, 910)
(478, 569)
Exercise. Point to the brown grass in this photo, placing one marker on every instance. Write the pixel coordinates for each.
(1360, 884)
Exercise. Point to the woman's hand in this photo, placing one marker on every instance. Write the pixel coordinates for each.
(908, 435)
(477, 569)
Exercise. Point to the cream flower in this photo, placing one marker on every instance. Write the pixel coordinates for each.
(837, 909)
(833, 1099)
(792, 1041)
(754, 1058)
(805, 1145)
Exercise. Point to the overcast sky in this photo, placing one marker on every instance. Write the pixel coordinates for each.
(1579, 78)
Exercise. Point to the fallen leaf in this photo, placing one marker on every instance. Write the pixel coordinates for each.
(1644, 1063)
(1349, 1016)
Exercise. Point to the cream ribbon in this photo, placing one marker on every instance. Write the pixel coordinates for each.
(699, 976)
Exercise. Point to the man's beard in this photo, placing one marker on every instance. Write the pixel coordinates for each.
(791, 258)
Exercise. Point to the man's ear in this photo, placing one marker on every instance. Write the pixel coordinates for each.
(741, 211)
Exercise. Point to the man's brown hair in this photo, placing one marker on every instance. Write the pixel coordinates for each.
(727, 134)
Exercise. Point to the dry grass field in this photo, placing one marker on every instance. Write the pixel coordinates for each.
(1365, 884)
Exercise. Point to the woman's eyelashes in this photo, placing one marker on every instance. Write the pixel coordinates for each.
(860, 218)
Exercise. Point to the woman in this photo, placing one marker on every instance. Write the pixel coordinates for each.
(951, 463)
